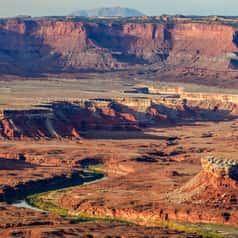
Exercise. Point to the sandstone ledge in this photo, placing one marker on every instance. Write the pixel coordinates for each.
(220, 167)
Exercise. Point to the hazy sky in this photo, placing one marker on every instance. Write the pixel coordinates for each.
(150, 7)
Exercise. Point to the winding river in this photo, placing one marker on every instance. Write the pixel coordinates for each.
(224, 231)
(95, 178)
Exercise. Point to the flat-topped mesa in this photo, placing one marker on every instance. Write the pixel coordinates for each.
(33, 46)
(220, 167)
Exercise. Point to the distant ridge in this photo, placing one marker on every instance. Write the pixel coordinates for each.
(108, 12)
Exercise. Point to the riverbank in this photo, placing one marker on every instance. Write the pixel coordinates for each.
(47, 201)
(22, 190)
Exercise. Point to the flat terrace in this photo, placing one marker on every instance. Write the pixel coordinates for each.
(27, 94)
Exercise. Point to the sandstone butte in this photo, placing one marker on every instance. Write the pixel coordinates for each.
(214, 188)
(47, 45)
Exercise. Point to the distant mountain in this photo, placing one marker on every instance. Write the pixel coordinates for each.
(108, 12)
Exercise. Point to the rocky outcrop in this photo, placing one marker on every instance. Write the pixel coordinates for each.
(204, 45)
(214, 189)
(218, 176)
(69, 119)
(220, 167)
(38, 46)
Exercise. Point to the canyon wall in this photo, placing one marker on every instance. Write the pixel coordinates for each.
(33, 46)
(204, 45)
(68, 119)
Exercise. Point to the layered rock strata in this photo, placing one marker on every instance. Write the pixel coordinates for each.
(69, 119)
(219, 167)
(31, 46)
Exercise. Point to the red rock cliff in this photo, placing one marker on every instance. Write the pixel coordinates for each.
(33, 46)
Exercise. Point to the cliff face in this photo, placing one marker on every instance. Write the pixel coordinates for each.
(220, 167)
(46, 46)
(211, 196)
(67, 120)
(204, 45)
(33, 46)
(133, 43)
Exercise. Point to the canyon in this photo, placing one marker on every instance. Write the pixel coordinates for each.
(156, 142)
(164, 47)
(118, 127)
(70, 120)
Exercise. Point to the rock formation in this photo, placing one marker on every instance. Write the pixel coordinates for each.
(214, 188)
(69, 119)
(219, 167)
(218, 176)
(52, 45)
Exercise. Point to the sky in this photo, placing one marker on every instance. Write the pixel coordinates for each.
(149, 7)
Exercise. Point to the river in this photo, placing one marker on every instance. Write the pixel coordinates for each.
(24, 204)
